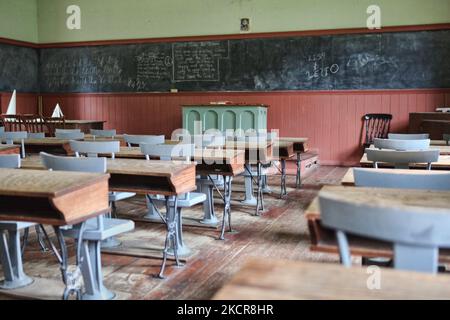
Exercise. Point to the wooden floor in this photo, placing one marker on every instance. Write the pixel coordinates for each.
(280, 233)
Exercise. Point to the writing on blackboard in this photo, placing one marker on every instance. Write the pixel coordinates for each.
(198, 61)
(371, 62)
(81, 72)
(319, 68)
(153, 65)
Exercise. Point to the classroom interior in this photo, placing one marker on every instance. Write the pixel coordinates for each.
(224, 150)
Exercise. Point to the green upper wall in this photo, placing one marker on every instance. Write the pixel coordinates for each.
(18, 20)
(45, 20)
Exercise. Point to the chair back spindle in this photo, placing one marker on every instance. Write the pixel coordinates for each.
(377, 125)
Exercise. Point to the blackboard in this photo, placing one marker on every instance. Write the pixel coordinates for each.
(18, 68)
(399, 60)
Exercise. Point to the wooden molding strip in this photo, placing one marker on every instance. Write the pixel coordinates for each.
(244, 93)
(236, 93)
(425, 27)
(19, 43)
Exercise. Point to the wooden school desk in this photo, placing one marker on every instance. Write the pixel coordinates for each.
(256, 153)
(54, 198)
(349, 180)
(52, 145)
(168, 178)
(417, 119)
(285, 152)
(271, 279)
(48, 144)
(84, 125)
(227, 163)
(324, 240)
(443, 163)
(435, 128)
(90, 137)
(300, 146)
(6, 149)
(150, 177)
(438, 143)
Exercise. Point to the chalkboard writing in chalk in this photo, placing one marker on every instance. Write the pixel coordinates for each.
(397, 60)
(18, 68)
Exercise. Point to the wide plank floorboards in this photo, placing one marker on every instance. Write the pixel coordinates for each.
(281, 232)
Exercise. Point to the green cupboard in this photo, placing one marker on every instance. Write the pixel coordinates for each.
(201, 117)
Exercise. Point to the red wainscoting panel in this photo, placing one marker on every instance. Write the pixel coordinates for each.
(25, 102)
(331, 119)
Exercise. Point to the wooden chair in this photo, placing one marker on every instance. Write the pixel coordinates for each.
(103, 133)
(136, 140)
(168, 152)
(54, 123)
(402, 145)
(97, 230)
(446, 138)
(9, 137)
(33, 123)
(12, 122)
(407, 136)
(377, 125)
(69, 135)
(434, 180)
(416, 243)
(402, 159)
(10, 248)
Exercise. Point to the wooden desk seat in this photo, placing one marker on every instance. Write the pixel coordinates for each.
(208, 161)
